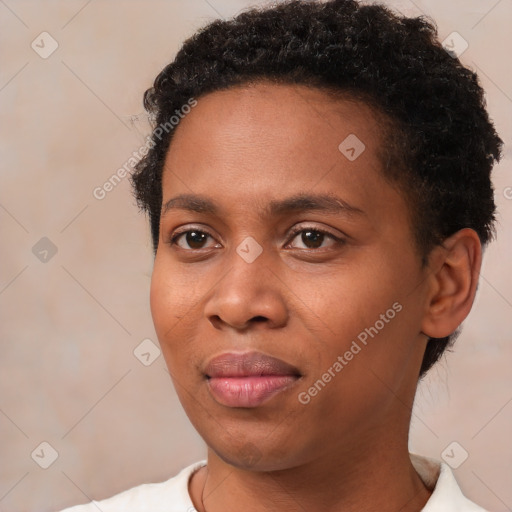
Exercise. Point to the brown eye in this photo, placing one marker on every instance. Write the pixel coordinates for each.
(312, 237)
(194, 238)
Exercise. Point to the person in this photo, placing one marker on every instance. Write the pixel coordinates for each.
(318, 186)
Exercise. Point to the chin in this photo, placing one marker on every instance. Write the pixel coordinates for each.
(253, 455)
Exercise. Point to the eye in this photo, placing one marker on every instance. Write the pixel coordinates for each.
(312, 237)
(194, 238)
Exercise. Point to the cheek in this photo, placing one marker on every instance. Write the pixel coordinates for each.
(172, 293)
(172, 310)
(161, 302)
(353, 297)
(371, 312)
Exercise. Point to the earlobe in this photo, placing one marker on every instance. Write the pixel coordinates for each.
(455, 268)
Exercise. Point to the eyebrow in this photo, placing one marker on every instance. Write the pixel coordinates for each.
(327, 203)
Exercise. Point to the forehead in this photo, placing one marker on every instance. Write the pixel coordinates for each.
(300, 111)
(271, 148)
(265, 129)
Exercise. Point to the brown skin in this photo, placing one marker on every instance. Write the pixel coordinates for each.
(347, 449)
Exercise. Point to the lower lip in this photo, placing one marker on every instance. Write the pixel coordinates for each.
(248, 391)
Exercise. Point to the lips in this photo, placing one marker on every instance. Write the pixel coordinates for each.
(248, 379)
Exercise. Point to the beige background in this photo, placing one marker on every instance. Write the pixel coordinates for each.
(68, 374)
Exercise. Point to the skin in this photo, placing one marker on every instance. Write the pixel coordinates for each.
(302, 301)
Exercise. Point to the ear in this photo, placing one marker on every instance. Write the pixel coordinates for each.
(455, 269)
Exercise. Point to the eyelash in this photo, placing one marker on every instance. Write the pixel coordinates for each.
(339, 241)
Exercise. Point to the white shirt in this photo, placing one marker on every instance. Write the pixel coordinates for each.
(172, 495)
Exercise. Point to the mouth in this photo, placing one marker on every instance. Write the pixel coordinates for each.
(248, 379)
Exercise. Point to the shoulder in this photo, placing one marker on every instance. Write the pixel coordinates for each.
(446, 493)
(169, 496)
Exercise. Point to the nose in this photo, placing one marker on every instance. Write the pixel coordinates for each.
(248, 295)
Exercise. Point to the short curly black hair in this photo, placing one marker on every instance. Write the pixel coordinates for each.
(441, 144)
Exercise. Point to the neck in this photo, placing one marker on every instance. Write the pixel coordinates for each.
(374, 478)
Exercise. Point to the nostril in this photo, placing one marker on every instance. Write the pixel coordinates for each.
(259, 318)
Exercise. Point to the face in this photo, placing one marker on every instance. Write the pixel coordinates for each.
(295, 248)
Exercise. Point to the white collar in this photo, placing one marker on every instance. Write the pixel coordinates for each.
(446, 494)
